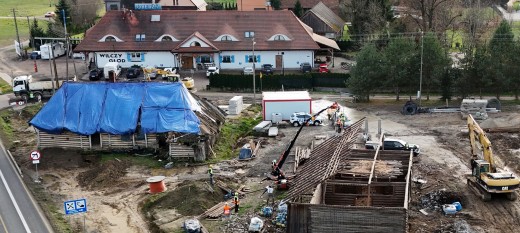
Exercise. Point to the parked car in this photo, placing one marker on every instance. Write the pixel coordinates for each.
(247, 71)
(212, 70)
(267, 69)
(95, 74)
(305, 67)
(133, 72)
(324, 68)
(50, 14)
(394, 144)
(299, 118)
(78, 56)
(36, 55)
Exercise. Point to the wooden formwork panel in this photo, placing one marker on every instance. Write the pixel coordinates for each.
(64, 140)
(178, 151)
(128, 141)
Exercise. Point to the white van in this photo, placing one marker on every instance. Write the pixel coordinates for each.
(112, 66)
(58, 49)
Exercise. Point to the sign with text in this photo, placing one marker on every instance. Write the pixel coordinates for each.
(147, 6)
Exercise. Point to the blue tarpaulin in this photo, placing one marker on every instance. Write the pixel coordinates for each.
(116, 108)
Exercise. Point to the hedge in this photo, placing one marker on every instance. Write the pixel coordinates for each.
(275, 82)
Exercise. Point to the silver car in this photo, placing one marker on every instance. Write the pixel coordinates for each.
(247, 71)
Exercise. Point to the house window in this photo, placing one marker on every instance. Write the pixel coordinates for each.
(140, 37)
(205, 59)
(110, 38)
(227, 59)
(226, 38)
(279, 37)
(250, 34)
(135, 57)
(251, 58)
(167, 38)
(195, 44)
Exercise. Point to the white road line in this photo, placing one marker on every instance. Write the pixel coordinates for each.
(3, 224)
(14, 203)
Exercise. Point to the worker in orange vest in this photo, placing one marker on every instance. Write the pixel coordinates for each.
(227, 210)
(236, 202)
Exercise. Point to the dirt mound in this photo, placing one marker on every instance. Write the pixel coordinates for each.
(512, 121)
(104, 176)
(189, 199)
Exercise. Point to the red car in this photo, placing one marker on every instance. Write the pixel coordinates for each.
(324, 69)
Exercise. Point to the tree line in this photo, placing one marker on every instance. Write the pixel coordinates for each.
(395, 64)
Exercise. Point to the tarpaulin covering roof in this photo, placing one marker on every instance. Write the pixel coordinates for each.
(116, 108)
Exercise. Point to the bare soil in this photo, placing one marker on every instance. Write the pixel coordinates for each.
(116, 189)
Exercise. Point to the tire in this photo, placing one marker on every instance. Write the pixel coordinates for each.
(410, 108)
(38, 97)
(296, 124)
(316, 123)
(24, 97)
(512, 196)
(494, 103)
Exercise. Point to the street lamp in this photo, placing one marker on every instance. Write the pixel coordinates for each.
(420, 78)
(254, 71)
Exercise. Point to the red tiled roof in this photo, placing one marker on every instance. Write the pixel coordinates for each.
(210, 25)
(308, 4)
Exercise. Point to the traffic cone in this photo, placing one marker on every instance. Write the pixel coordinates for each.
(35, 67)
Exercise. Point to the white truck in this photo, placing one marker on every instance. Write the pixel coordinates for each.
(26, 88)
(284, 104)
(56, 49)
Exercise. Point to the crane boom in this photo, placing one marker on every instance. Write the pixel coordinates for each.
(278, 166)
(477, 134)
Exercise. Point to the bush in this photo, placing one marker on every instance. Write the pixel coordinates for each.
(275, 82)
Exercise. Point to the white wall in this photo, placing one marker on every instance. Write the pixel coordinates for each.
(286, 108)
(291, 59)
(159, 59)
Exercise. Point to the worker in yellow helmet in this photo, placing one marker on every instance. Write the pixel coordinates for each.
(210, 173)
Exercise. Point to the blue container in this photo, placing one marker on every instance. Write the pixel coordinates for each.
(457, 205)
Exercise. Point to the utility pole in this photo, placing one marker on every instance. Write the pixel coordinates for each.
(30, 33)
(66, 45)
(17, 34)
(50, 64)
(55, 70)
(420, 79)
(254, 71)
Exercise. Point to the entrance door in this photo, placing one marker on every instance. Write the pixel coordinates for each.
(278, 61)
(187, 62)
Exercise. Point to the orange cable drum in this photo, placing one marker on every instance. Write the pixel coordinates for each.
(156, 184)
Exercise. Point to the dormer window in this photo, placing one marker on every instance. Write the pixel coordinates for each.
(279, 37)
(195, 44)
(249, 34)
(226, 38)
(140, 37)
(167, 38)
(110, 39)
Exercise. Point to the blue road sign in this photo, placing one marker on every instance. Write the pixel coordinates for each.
(75, 206)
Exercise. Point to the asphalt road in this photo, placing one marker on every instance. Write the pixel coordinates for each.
(18, 212)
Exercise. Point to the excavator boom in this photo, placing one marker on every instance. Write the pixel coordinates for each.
(476, 134)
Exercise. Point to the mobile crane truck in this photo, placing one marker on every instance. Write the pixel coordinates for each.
(484, 179)
(277, 172)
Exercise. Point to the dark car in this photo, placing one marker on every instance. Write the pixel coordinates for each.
(267, 69)
(394, 144)
(36, 55)
(305, 67)
(133, 72)
(95, 74)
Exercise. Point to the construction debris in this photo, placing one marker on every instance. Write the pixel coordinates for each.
(436, 199)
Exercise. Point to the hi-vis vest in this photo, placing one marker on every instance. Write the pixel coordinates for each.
(235, 200)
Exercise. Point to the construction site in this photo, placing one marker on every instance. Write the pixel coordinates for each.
(331, 181)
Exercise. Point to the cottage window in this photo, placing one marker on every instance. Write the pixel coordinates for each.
(249, 34)
(226, 38)
(251, 59)
(140, 37)
(279, 37)
(195, 44)
(110, 39)
(135, 57)
(167, 38)
(227, 59)
(205, 59)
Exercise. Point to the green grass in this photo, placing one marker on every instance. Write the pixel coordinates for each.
(26, 7)
(145, 161)
(453, 38)
(5, 125)
(8, 31)
(5, 87)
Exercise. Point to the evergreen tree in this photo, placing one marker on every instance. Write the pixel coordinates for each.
(399, 63)
(366, 75)
(502, 49)
(36, 31)
(298, 9)
(275, 4)
(434, 61)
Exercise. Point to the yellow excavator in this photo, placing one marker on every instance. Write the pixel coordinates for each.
(484, 179)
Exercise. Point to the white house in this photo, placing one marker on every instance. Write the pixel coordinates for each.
(195, 39)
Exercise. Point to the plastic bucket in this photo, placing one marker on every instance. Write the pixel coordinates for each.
(457, 205)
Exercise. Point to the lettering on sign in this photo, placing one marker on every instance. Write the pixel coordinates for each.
(114, 57)
(147, 6)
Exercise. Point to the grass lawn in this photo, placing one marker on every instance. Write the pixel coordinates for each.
(515, 27)
(454, 37)
(26, 7)
(8, 31)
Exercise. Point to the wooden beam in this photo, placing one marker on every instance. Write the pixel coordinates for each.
(406, 192)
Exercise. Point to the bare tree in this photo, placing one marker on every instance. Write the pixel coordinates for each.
(84, 12)
(434, 15)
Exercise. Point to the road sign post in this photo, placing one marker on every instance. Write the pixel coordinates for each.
(76, 207)
(35, 157)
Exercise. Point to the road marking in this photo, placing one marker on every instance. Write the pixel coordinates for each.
(3, 224)
(14, 203)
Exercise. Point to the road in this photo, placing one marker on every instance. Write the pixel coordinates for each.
(18, 212)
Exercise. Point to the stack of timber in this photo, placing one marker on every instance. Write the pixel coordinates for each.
(390, 169)
(300, 155)
(216, 211)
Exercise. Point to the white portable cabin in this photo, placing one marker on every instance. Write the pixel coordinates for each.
(48, 50)
(285, 103)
